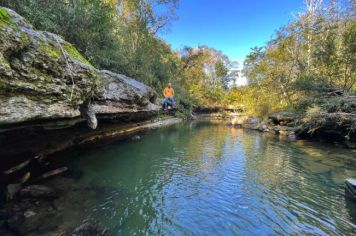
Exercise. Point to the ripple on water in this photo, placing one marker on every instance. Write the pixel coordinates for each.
(213, 180)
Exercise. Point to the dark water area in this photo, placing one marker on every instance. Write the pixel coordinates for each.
(208, 179)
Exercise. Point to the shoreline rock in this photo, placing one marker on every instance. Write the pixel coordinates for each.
(44, 79)
(48, 90)
(289, 125)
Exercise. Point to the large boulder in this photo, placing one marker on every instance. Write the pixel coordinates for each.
(41, 75)
(124, 98)
(44, 78)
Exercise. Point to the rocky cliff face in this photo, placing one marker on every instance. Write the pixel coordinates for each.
(123, 99)
(47, 92)
(44, 78)
(41, 75)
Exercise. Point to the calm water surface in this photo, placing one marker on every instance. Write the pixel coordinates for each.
(201, 179)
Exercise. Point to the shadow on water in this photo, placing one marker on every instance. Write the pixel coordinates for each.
(200, 178)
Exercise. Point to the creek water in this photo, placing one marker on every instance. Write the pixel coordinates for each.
(208, 179)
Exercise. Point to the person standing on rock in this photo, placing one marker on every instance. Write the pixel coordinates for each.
(168, 94)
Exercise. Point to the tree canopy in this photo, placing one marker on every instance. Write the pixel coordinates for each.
(306, 59)
(309, 57)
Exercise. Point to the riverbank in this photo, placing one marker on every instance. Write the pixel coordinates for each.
(337, 126)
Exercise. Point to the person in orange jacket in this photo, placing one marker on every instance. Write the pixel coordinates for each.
(168, 94)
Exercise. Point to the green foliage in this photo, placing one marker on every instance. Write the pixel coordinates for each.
(254, 101)
(118, 35)
(221, 72)
(180, 114)
(221, 69)
(203, 75)
(88, 25)
(305, 61)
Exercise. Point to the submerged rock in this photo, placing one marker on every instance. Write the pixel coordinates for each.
(17, 167)
(12, 190)
(53, 173)
(26, 215)
(351, 145)
(253, 123)
(28, 221)
(254, 120)
(238, 121)
(89, 229)
(36, 191)
(263, 128)
(136, 137)
(29, 214)
(292, 136)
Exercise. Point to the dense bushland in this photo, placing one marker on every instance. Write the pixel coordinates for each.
(304, 63)
(122, 36)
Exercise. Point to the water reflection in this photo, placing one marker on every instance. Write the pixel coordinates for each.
(203, 179)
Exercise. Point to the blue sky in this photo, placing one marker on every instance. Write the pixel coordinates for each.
(232, 26)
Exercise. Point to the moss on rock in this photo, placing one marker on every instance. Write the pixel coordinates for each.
(49, 49)
(5, 18)
(72, 51)
(24, 38)
(35, 81)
